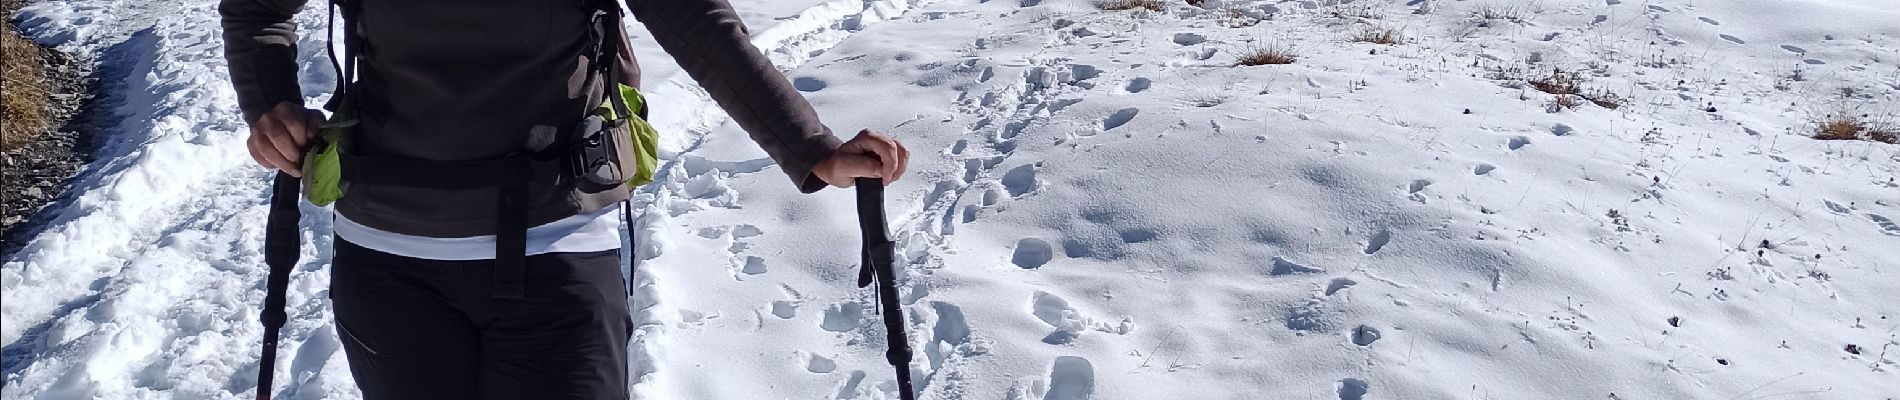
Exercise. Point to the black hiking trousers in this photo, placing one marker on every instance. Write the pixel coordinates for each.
(427, 329)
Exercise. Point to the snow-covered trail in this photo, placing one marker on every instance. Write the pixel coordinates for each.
(1101, 207)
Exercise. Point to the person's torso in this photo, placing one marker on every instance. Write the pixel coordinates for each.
(473, 80)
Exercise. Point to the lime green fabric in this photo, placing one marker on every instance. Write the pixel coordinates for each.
(646, 140)
(322, 168)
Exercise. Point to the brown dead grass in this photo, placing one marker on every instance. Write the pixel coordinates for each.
(1123, 5)
(1378, 35)
(1274, 54)
(24, 103)
(1558, 82)
(1565, 102)
(1845, 126)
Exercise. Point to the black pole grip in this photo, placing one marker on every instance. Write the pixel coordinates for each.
(871, 211)
(879, 255)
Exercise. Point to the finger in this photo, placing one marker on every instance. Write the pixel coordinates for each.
(252, 145)
(856, 166)
(287, 148)
(275, 159)
(903, 161)
(886, 150)
(296, 122)
(894, 163)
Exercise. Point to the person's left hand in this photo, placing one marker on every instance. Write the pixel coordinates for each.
(869, 155)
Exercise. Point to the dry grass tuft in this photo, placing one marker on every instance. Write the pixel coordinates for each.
(1565, 102)
(1604, 98)
(1123, 5)
(1558, 82)
(1839, 127)
(1493, 12)
(1378, 35)
(1273, 54)
(24, 103)
(1845, 126)
(1360, 11)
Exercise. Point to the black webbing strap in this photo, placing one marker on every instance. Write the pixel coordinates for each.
(509, 176)
(605, 56)
(878, 257)
(511, 241)
(345, 66)
(282, 238)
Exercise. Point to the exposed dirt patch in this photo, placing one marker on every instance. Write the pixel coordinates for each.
(38, 169)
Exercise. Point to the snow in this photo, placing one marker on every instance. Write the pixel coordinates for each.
(1101, 206)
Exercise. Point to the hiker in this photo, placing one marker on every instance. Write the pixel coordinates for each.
(476, 251)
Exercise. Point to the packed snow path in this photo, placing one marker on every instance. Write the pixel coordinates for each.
(1102, 207)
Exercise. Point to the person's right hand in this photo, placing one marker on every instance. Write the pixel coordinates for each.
(279, 137)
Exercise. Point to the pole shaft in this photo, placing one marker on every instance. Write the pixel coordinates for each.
(879, 257)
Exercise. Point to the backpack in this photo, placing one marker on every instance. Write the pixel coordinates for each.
(603, 160)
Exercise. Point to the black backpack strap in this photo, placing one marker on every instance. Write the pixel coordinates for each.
(345, 66)
(603, 54)
(510, 177)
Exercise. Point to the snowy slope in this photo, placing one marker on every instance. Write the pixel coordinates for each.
(1101, 206)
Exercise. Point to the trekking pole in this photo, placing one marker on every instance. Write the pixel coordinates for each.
(281, 241)
(878, 256)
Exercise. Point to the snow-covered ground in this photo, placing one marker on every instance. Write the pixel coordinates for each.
(1102, 206)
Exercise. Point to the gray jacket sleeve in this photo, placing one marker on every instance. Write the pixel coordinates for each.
(710, 42)
(260, 46)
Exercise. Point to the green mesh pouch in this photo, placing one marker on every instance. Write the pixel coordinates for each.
(646, 140)
(322, 166)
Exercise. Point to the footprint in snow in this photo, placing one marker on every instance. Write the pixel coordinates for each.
(1710, 21)
(1353, 388)
(1483, 168)
(843, 317)
(1119, 118)
(820, 364)
(1282, 266)
(1189, 38)
(1055, 311)
(754, 265)
(1071, 378)
(1887, 226)
(1020, 180)
(1732, 39)
(1560, 129)
(1518, 142)
(1083, 72)
(1138, 84)
(1032, 253)
(1338, 284)
(849, 390)
(1378, 241)
(808, 84)
(784, 309)
(1364, 335)
(1792, 49)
